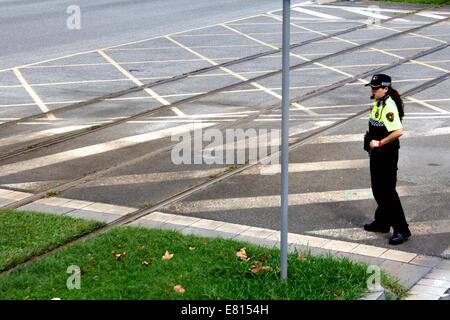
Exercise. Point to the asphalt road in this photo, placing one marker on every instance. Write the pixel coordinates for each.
(329, 180)
(37, 30)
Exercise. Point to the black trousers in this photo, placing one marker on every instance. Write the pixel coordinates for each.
(383, 174)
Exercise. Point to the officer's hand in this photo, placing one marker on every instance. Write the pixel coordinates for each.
(374, 144)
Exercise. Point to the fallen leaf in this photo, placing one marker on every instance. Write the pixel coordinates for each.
(336, 293)
(301, 257)
(119, 256)
(242, 254)
(255, 269)
(146, 263)
(191, 248)
(179, 289)
(167, 256)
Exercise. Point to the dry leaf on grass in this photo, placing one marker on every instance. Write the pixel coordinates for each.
(119, 255)
(147, 262)
(242, 254)
(191, 248)
(179, 289)
(255, 269)
(301, 257)
(167, 256)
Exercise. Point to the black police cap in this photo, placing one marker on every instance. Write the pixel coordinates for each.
(380, 80)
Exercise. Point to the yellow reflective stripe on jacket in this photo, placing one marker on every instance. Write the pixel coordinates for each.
(386, 116)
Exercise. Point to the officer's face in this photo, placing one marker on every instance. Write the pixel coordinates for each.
(379, 92)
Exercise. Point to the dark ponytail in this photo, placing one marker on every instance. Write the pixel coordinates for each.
(398, 101)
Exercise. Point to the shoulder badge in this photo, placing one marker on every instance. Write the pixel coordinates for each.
(390, 116)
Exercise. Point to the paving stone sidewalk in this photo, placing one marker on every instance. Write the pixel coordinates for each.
(426, 277)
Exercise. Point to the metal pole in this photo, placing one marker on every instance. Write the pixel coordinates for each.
(285, 138)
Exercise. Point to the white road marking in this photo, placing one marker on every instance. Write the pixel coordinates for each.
(358, 234)
(311, 166)
(296, 199)
(36, 135)
(425, 104)
(429, 15)
(214, 63)
(371, 14)
(344, 7)
(121, 45)
(139, 83)
(197, 174)
(372, 48)
(316, 14)
(96, 149)
(33, 94)
(341, 138)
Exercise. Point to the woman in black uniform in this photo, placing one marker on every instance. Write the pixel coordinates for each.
(381, 141)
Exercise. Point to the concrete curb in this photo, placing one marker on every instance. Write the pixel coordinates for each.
(426, 277)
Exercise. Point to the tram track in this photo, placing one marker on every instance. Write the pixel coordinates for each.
(170, 200)
(77, 133)
(247, 119)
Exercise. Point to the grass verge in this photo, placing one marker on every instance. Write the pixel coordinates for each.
(127, 263)
(24, 234)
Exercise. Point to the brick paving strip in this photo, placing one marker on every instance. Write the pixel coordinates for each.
(426, 277)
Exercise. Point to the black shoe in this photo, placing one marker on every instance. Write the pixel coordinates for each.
(399, 237)
(373, 227)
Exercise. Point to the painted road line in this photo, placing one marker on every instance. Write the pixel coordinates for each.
(33, 94)
(273, 141)
(371, 13)
(96, 149)
(361, 8)
(240, 77)
(430, 15)
(310, 166)
(425, 104)
(198, 174)
(358, 234)
(342, 138)
(415, 34)
(377, 50)
(151, 92)
(317, 63)
(296, 199)
(36, 135)
(297, 105)
(316, 14)
(120, 45)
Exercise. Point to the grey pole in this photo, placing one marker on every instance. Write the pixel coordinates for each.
(285, 137)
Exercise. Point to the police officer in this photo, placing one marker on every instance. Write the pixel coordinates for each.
(385, 128)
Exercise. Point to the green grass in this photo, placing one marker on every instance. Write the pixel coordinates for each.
(126, 263)
(24, 234)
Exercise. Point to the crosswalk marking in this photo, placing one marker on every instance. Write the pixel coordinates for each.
(296, 199)
(371, 14)
(358, 234)
(96, 149)
(316, 14)
(430, 15)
